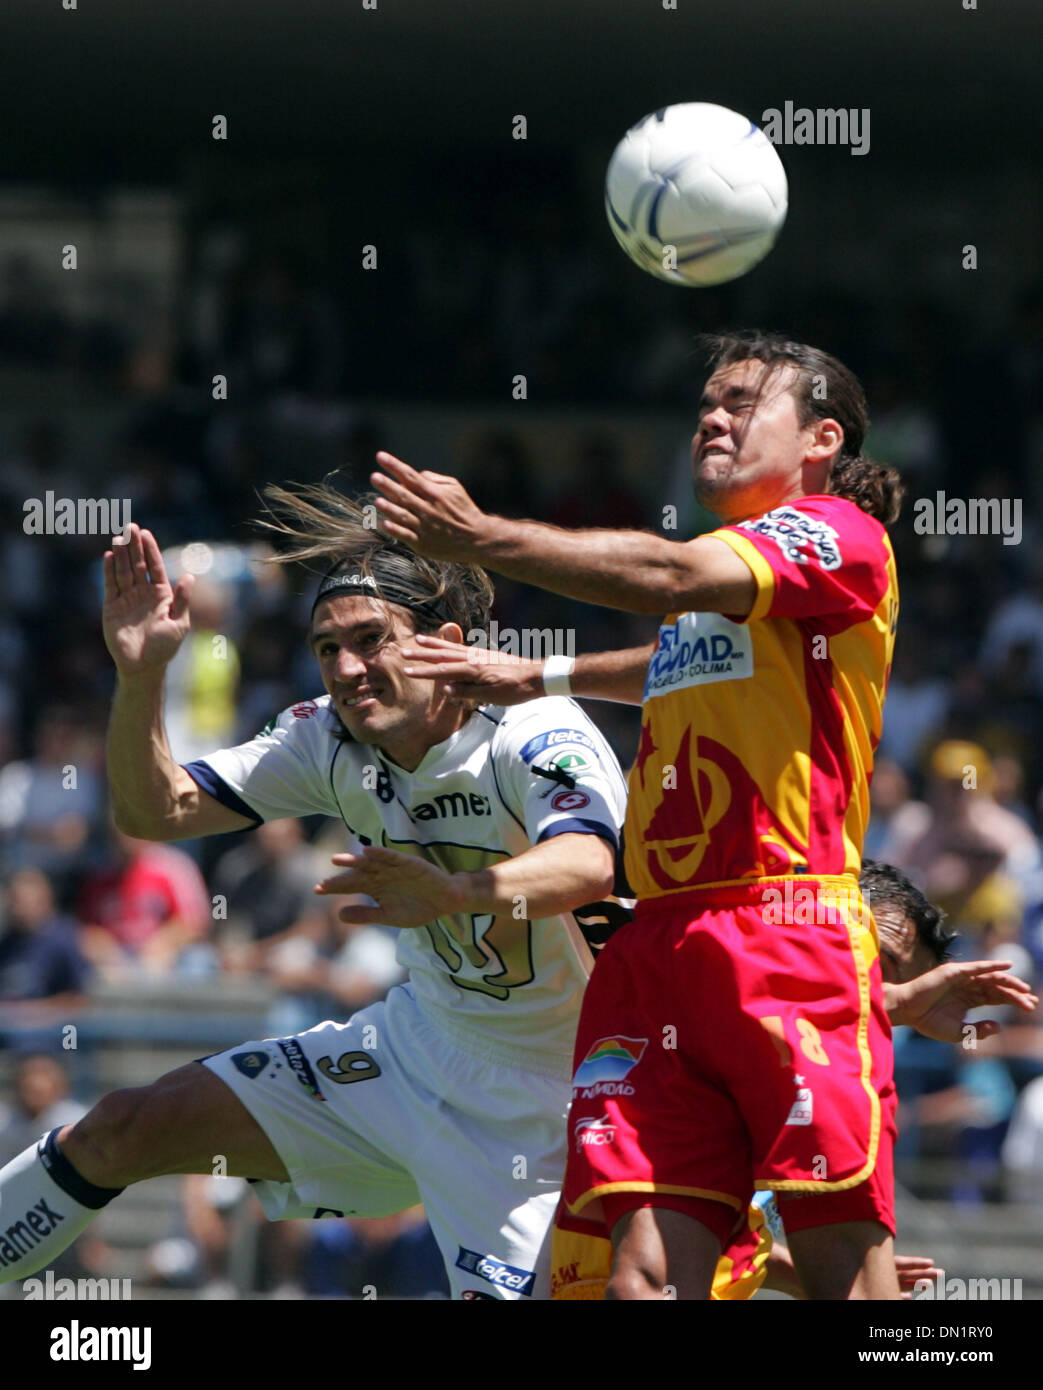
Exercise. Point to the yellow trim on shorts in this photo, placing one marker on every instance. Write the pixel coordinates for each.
(862, 1038)
(606, 1189)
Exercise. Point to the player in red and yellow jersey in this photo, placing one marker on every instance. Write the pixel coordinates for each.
(733, 1037)
(757, 736)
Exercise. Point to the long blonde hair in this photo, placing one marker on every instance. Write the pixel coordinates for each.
(315, 522)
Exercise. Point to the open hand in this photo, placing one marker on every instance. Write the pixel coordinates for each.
(936, 1003)
(407, 891)
(912, 1268)
(431, 512)
(144, 619)
(475, 675)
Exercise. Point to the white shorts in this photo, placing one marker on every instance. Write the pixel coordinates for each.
(372, 1116)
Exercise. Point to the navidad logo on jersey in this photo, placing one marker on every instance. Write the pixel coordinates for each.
(696, 194)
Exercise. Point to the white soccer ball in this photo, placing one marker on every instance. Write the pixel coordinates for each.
(695, 194)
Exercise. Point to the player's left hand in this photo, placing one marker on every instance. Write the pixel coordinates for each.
(431, 512)
(408, 892)
(936, 1003)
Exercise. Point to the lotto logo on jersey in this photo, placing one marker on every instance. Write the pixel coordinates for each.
(609, 1061)
(793, 530)
(570, 801)
(494, 1271)
(594, 1133)
(305, 709)
(554, 739)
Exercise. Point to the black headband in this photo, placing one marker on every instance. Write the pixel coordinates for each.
(391, 588)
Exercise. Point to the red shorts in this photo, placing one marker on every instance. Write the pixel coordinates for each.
(729, 1043)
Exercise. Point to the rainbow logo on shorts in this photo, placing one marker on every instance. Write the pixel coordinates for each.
(609, 1060)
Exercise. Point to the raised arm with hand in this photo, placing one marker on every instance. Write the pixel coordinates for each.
(145, 620)
(482, 676)
(636, 571)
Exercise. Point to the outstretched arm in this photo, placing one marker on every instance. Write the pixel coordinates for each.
(482, 676)
(552, 877)
(633, 570)
(936, 1004)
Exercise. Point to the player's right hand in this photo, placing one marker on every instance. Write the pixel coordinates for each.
(475, 675)
(144, 619)
(913, 1268)
(936, 1003)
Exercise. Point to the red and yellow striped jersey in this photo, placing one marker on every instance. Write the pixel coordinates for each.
(757, 736)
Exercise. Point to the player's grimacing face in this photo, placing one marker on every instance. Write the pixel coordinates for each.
(749, 448)
(358, 644)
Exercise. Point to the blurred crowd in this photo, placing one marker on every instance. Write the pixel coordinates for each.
(957, 799)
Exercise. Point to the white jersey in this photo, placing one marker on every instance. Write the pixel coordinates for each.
(507, 780)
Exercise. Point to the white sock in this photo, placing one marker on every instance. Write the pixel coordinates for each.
(44, 1205)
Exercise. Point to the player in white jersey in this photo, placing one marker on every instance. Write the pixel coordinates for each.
(481, 833)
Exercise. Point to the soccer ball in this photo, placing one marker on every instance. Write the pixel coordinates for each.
(695, 194)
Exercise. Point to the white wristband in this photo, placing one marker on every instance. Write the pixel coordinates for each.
(556, 672)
